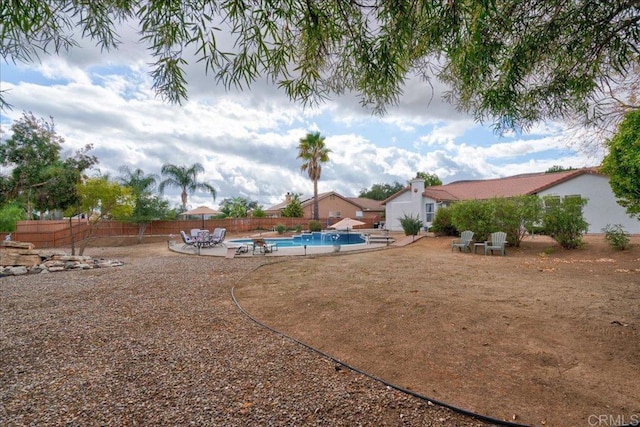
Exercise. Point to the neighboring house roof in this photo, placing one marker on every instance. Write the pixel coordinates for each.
(278, 207)
(518, 185)
(399, 193)
(363, 203)
(367, 204)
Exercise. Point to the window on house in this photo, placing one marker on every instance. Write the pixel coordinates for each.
(555, 200)
(430, 212)
(335, 214)
(552, 200)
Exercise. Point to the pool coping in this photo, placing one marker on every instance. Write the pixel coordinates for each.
(227, 249)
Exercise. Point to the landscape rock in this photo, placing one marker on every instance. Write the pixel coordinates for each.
(17, 271)
(72, 258)
(14, 258)
(50, 264)
(12, 244)
(18, 258)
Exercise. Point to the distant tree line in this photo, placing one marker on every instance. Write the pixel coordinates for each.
(384, 191)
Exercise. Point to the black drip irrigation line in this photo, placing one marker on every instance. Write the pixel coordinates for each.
(380, 380)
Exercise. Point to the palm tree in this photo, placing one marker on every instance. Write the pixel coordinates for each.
(147, 206)
(186, 179)
(313, 152)
(137, 180)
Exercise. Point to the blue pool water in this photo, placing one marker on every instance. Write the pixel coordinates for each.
(313, 239)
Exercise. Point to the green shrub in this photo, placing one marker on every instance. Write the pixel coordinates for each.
(563, 220)
(258, 212)
(475, 215)
(315, 225)
(10, 214)
(293, 209)
(442, 223)
(616, 236)
(537, 229)
(298, 228)
(280, 228)
(411, 225)
(513, 215)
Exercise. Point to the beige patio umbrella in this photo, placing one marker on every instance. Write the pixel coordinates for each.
(201, 210)
(346, 224)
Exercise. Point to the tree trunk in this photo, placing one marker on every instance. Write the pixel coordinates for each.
(141, 228)
(183, 197)
(316, 214)
(85, 241)
(72, 236)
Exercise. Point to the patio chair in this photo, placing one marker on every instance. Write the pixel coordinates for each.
(217, 237)
(497, 243)
(464, 243)
(187, 241)
(264, 247)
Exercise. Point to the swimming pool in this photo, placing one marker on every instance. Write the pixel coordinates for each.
(312, 239)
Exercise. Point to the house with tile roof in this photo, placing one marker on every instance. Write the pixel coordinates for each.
(601, 208)
(333, 205)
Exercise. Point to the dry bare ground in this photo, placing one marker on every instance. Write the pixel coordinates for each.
(532, 338)
(543, 336)
(158, 342)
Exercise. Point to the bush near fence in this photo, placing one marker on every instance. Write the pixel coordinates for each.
(52, 234)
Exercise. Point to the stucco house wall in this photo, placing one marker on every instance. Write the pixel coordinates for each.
(409, 203)
(332, 206)
(601, 208)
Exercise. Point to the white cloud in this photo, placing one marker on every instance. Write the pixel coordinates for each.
(247, 140)
(445, 133)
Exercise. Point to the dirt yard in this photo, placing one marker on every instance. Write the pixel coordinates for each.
(543, 336)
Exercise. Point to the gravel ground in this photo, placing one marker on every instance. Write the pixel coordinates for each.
(159, 341)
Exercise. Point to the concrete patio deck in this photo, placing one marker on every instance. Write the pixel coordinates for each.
(229, 247)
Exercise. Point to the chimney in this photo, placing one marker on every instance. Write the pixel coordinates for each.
(417, 187)
(287, 198)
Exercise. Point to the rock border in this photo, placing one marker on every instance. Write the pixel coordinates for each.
(19, 258)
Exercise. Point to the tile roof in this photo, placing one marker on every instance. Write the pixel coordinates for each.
(367, 204)
(304, 200)
(518, 185)
(277, 207)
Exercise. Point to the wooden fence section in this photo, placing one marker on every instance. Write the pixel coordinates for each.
(51, 234)
(48, 236)
(43, 226)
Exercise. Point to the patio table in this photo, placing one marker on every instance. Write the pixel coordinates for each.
(202, 240)
(478, 245)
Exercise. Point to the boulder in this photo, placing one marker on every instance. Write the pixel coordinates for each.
(72, 258)
(17, 271)
(14, 258)
(16, 245)
(18, 253)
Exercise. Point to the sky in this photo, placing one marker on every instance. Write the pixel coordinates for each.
(247, 140)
